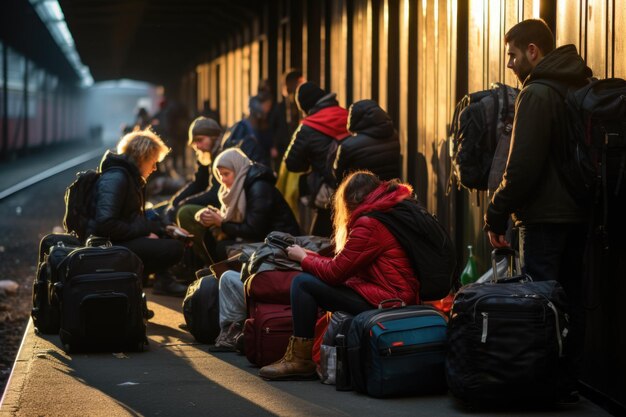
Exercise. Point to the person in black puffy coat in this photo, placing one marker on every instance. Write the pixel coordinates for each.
(118, 208)
(373, 146)
(314, 144)
(251, 207)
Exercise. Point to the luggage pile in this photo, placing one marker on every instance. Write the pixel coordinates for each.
(90, 295)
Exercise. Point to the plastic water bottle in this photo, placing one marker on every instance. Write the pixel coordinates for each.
(469, 273)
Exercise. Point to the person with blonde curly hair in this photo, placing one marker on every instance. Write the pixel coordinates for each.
(118, 202)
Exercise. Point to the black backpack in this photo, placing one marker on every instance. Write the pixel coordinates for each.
(77, 202)
(78, 197)
(592, 150)
(426, 243)
(480, 132)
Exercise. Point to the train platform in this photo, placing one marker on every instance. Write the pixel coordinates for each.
(177, 376)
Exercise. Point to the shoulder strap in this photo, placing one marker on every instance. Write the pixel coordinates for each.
(557, 86)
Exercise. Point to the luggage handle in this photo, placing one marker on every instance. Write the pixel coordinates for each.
(514, 265)
(95, 241)
(391, 300)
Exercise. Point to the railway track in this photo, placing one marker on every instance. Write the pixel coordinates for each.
(28, 210)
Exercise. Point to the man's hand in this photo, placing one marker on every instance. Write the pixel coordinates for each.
(296, 253)
(497, 241)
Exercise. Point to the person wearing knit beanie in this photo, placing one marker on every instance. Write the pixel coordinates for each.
(203, 126)
(307, 95)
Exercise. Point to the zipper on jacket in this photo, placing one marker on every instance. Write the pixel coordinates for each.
(407, 350)
(483, 337)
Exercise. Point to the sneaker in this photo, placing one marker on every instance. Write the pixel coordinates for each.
(166, 284)
(219, 346)
(227, 341)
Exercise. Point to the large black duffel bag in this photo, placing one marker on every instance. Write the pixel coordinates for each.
(506, 343)
(201, 309)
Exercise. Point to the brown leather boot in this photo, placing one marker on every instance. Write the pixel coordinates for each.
(296, 364)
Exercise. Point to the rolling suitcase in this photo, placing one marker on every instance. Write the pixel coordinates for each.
(101, 299)
(201, 308)
(266, 332)
(398, 351)
(506, 341)
(53, 248)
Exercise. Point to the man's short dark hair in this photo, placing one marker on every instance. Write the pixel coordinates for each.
(292, 75)
(531, 31)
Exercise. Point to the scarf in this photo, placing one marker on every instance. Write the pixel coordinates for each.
(331, 121)
(233, 199)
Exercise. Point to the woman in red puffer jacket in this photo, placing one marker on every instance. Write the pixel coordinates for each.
(369, 266)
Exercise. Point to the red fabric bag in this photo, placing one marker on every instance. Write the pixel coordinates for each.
(320, 329)
(266, 332)
(272, 287)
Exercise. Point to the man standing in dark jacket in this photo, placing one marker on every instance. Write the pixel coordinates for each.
(552, 225)
(314, 144)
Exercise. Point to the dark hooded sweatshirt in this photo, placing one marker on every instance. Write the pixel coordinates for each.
(374, 146)
(531, 188)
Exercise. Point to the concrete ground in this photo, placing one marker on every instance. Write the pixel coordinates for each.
(177, 376)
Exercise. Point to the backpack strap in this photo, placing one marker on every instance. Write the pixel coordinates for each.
(557, 86)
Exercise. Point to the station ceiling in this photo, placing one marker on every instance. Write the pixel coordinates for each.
(151, 40)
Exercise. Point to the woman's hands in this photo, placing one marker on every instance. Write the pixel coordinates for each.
(296, 253)
(208, 217)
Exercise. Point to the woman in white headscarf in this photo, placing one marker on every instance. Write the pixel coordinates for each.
(251, 206)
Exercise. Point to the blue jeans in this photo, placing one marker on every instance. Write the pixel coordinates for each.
(556, 251)
(308, 293)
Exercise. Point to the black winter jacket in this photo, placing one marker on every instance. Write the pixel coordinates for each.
(266, 209)
(374, 145)
(531, 188)
(118, 202)
(309, 148)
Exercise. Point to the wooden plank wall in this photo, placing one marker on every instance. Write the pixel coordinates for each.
(416, 58)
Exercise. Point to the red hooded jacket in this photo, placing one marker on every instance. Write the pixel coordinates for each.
(372, 262)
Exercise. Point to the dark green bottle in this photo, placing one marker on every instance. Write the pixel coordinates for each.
(469, 273)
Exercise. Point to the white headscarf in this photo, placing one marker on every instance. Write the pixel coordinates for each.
(234, 199)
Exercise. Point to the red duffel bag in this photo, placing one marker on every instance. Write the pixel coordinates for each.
(271, 287)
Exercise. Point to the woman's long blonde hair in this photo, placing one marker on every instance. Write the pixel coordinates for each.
(349, 195)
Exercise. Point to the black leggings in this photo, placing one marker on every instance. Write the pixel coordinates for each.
(308, 293)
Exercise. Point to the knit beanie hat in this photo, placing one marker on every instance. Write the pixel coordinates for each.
(307, 95)
(204, 126)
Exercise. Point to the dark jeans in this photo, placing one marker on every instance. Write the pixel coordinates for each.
(555, 251)
(157, 255)
(308, 293)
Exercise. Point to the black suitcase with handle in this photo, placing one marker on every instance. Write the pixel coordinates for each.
(53, 248)
(506, 341)
(101, 299)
